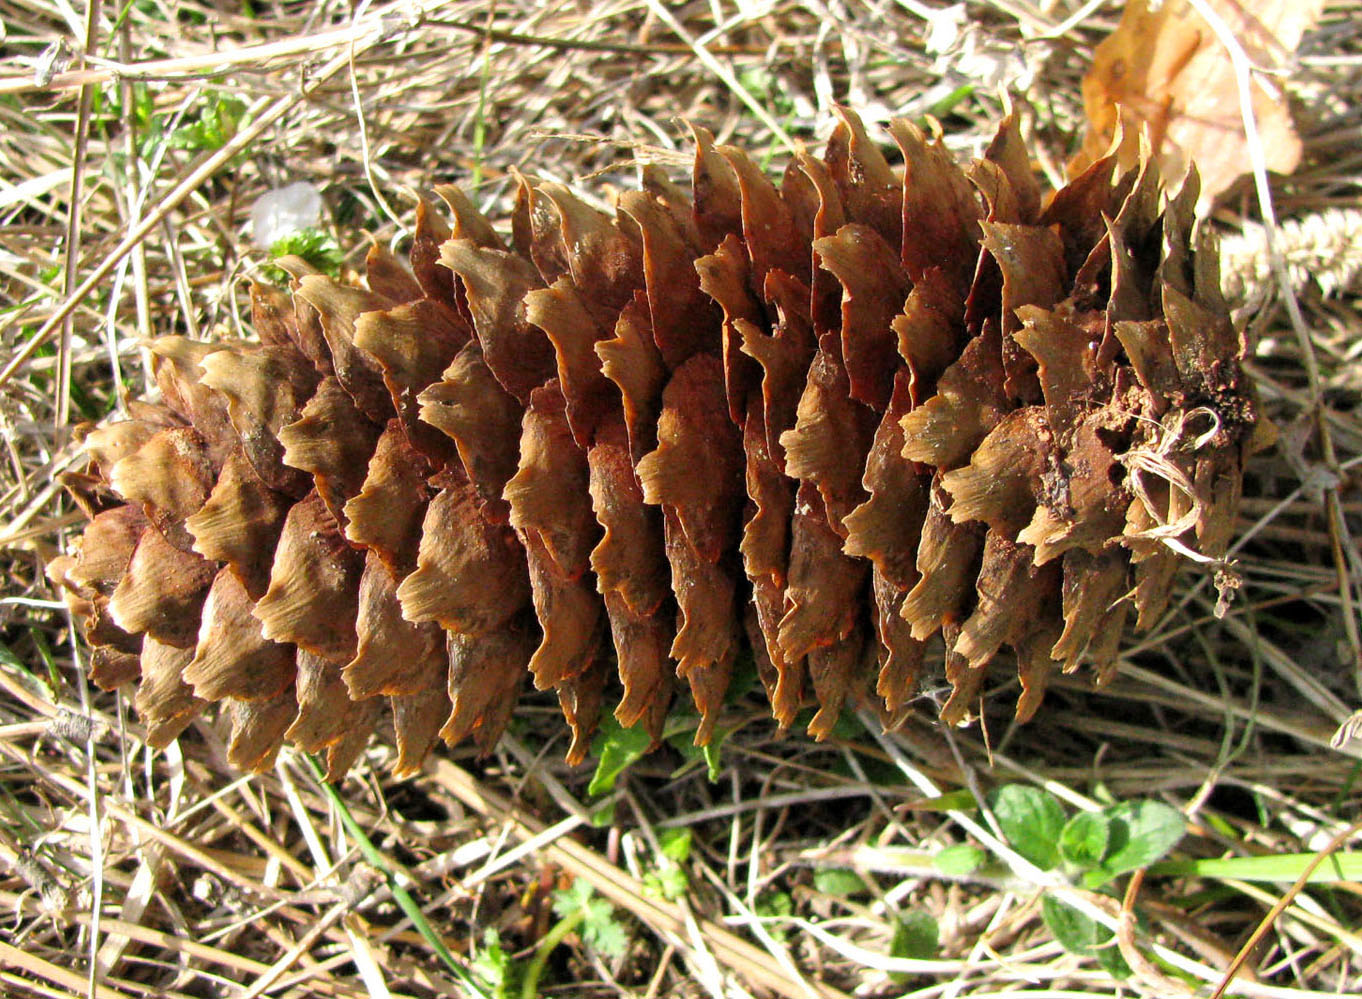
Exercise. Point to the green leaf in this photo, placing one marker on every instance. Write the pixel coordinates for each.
(682, 739)
(216, 125)
(600, 929)
(948, 802)
(839, 882)
(676, 843)
(711, 754)
(766, 88)
(916, 936)
(313, 245)
(848, 726)
(493, 966)
(1031, 821)
(1075, 932)
(54, 678)
(948, 103)
(669, 880)
(1141, 832)
(575, 897)
(605, 936)
(615, 748)
(10, 659)
(1083, 841)
(744, 678)
(959, 860)
(775, 904)
(108, 109)
(1109, 957)
(670, 883)
(602, 814)
(1080, 935)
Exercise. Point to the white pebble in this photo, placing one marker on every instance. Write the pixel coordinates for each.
(283, 211)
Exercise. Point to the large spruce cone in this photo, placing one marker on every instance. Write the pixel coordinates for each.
(825, 421)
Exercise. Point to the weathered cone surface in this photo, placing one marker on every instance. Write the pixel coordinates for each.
(825, 421)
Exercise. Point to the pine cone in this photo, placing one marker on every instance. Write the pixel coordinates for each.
(823, 421)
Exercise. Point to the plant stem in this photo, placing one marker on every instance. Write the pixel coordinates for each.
(530, 988)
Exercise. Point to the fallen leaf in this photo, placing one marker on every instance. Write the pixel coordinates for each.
(1164, 69)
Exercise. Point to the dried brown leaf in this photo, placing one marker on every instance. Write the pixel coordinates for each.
(1165, 69)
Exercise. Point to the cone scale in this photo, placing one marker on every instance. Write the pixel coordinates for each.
(842, 423)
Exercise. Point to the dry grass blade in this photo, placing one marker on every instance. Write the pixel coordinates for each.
(54, 973)
(669, 920)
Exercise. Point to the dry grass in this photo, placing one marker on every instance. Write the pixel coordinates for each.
(127, 872)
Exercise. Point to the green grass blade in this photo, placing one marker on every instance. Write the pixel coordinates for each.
(400, 894)
(1282, 868)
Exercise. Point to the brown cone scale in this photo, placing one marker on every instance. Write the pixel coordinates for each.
(836, 422)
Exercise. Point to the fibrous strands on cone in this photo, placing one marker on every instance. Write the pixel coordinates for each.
(824, 420)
